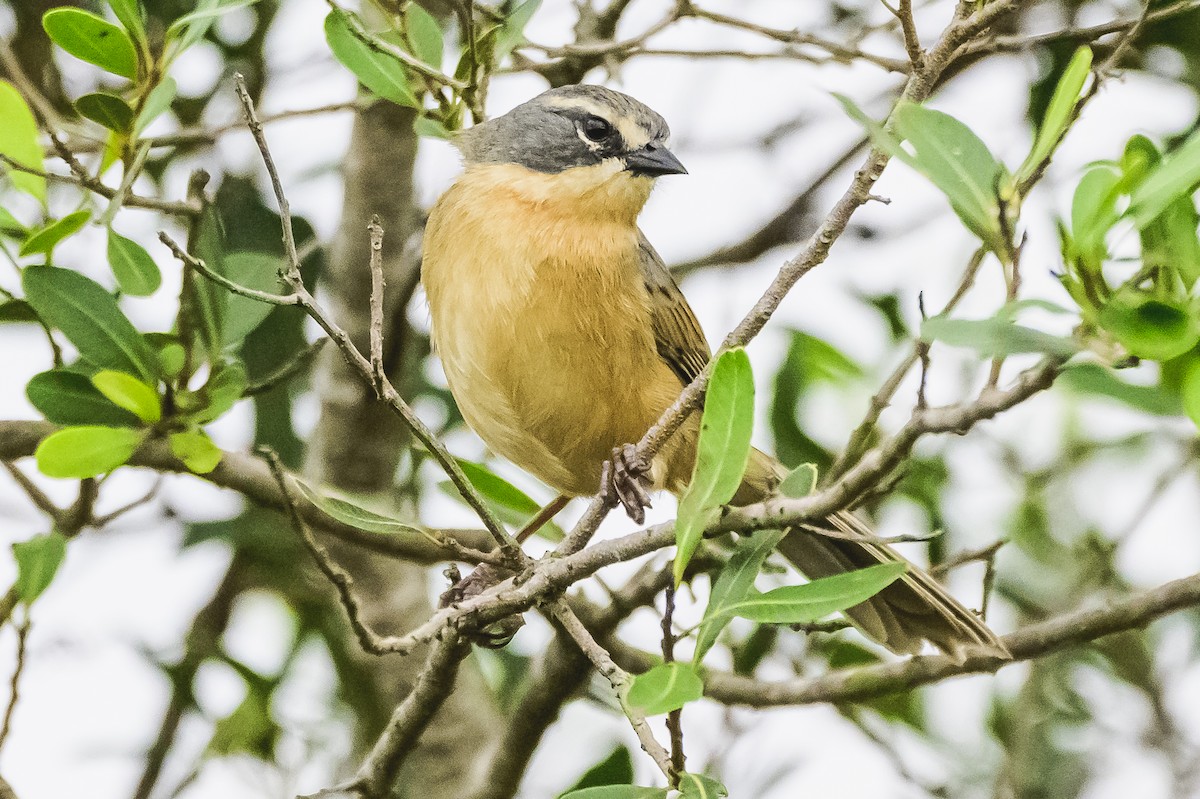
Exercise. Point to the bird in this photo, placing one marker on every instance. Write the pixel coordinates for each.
(564, 337)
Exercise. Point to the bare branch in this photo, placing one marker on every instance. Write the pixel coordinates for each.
(97, 187)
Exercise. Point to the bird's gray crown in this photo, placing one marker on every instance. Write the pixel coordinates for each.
(562, 128)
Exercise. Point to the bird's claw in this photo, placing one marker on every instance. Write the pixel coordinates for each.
(626, 476)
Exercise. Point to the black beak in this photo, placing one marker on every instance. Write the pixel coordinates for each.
(654, 160)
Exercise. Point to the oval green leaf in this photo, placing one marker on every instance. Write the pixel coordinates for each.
(19, 141)
(69, 398)
(92, 39)
(353, 515)
(126, 391)
(1158, 329)
(88, 316)
(735, 581)
(800, 604)
(380, 72)
(132, 266)
(129, 13)
(109, 110)
(196, 450)
(722, 452)
(666, 687)
(698, 786)
(424, 34)
(45, 240)
(79, 452)
(38, 560)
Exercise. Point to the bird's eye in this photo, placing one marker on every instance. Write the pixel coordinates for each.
(596, 129)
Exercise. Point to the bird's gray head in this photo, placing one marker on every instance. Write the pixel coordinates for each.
(575, 126)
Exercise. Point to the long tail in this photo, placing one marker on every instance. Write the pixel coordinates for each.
(913, 609)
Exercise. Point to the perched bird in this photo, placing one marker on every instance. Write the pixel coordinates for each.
(564, 337)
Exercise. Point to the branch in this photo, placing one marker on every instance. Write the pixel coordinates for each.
(1037, 640)
(96, 186)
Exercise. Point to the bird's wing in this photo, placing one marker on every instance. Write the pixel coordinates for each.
(677, 335)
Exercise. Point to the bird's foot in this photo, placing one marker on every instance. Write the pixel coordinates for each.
(626, 475)
(497, 634)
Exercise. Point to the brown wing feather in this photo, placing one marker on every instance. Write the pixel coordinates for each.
(677, 334)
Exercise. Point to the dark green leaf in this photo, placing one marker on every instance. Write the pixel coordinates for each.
(735, 581)
(425, 35)
(616, 769)
(800, 481)
(92, 39)
(90, 318)
(38, 560)
(19, 141)
(1058, 114)
(158, 101)
(994, 337)
(353, 515)
(666, 687)
(379, 71)
(16, 311)
(799, 604)
(134, 269)
(70, 398)
(617, 792)
(721, 453)
(1092, 378)
(108, 109)
(242, 315)
(224, 388)
(196, 450)
(126, 391)
(44, 241)
(697, 786)
(1158, 329)
(90, 451)
(208, 301)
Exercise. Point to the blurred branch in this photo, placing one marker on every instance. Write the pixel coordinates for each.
(252, 478)
(96, 186)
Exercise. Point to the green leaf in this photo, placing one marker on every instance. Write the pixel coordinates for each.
(38, 560)
(108, 109)
(192, 27)
(90, 318)
(243, 315)
(171, 360)
(1092, 378)
(957, 162)
(224, 388)
(158, 101)
(126, 391)
(1093, 213)
(381, 72)
(44, 241)
(196, 450)
(799, 604)
(69, 398)
(133, 267)
(504, 496)
(129, 12)
(617, 792)
(92, 39)
(697, 786)
(10, 225)
(995, 337)
(89, 451)
(1058, 113)
(721, 453)
(800, 481)
(17, 311)
(19, 141)
(428, 126)
(666, 687)
(353, 515)
(512, 30)
(1158, 329)
(1190, 391)
(249, 729)
(1173, 178)
(206, 305)
(616, 769)
(735, 581)
(425, 35)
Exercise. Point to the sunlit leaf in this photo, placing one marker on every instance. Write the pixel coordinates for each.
(1058, 113)
(196, 450)
(1150, 327)
(381, 72)
(1175, 177)
(135, 270)
(1093, 213)
(721, 454)
(88, 451)
(126, 391)
(19, 141)
(69, 398)
(44, 241)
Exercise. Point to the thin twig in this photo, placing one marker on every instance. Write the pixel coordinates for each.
(675, 717)
(375, 230)
(15, 683)
(35, 494)
(96, 187)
